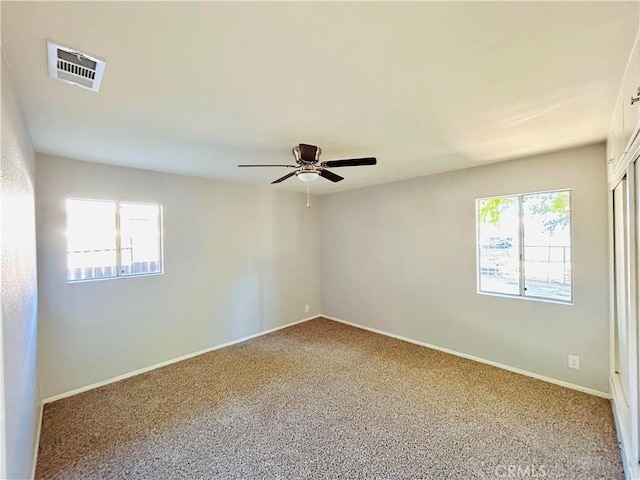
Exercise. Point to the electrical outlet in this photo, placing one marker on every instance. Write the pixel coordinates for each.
(306, 309)
(574, 362)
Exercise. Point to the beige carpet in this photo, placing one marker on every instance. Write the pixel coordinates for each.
(324, 400)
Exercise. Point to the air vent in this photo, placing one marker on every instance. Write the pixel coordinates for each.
(74, 67)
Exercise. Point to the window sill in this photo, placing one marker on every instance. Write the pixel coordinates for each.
(137, 275)
(532, 299)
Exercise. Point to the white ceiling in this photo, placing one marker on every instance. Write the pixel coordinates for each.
(196, 88)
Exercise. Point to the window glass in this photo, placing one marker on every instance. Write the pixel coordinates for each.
(139, 238)
(547, 245)
(498, 235)
(91, 240)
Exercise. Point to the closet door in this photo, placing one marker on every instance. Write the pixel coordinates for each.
(621, 256)
(625, 319)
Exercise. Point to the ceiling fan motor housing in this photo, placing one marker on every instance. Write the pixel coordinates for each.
(306, 154)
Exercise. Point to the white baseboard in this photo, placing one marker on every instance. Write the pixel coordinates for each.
(169, 362)
(37, 442)
(562, 383)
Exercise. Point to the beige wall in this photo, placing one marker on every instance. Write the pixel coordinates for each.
(401, 258)
(239, 260)
(19, 293)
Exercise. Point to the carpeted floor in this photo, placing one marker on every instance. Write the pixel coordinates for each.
(324, 400)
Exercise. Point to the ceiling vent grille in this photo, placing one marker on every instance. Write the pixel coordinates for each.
(74, 67)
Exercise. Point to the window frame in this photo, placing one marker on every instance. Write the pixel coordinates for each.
(118, 240)
(521, 274)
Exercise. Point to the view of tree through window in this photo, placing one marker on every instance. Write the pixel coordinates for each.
(524, 245)
(112, 239)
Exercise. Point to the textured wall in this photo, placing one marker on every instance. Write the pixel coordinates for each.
(401, 257)
(238, 259)
(19, 292)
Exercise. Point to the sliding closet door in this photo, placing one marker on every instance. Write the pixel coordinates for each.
(625, 320)
(621, 256)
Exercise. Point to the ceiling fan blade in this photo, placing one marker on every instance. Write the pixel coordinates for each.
(351, 162)
(308, 153)
(290, 166)
(330, 175)
(284, 178)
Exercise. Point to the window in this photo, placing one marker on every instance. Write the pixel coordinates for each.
(112, 239)
(524, 245)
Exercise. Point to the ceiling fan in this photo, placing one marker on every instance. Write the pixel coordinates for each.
(309, 170)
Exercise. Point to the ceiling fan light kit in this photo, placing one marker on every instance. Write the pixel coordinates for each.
(308, 176)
